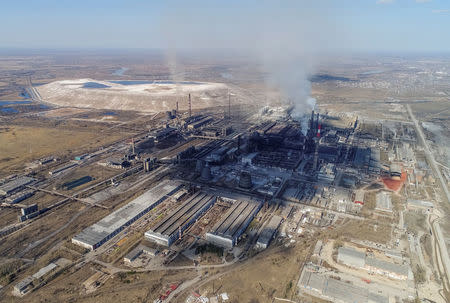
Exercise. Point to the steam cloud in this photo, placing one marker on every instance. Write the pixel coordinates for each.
(284, 37)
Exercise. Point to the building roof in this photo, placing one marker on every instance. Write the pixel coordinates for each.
(351, 256)
(109, 224)
(15, 184)
(44, 270)
(230, 224)
(269, 230)
(399, 269)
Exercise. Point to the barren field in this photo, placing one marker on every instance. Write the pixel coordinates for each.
(272, 273)
(19, 144)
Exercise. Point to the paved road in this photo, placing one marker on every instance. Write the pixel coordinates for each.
(428, 154)
(437, 234)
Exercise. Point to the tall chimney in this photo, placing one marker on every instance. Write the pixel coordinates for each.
(229, 106)
(190, 106)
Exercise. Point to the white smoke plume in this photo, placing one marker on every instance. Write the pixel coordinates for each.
(286, 38)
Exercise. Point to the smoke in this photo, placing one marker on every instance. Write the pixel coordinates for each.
(287, 39)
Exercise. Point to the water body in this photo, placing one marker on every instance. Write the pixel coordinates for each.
(110, 114)
(3, 103)
(94, 85)
(132, 82)
(9, 110)
(120, 72)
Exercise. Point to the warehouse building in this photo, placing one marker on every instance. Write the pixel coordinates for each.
(230, 227)
(15, 185)
(171, 227)
(351, 257)
(268, 232)
(19, 196)
(97, 234)
(199, 124)
(338, 291)
(392, 270)
(138, 251)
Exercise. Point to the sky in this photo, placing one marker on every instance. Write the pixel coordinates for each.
(326, 25)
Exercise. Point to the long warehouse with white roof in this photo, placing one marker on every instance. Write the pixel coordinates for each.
(97, 234)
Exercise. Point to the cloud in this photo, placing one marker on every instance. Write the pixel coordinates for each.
(440, 11)
(385, 1)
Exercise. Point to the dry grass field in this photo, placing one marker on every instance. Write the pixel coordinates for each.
(271, 273)
(21, 144)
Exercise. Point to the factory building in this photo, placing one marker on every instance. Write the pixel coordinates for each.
(15, 185)
(136, 252)
(218, 155)
(327, 173)
(230, 227)
(199, 124)
(97, 234)
(268, 232)
(392, 270)
(352, 257)
(162, 134)
(338, 291)
(20, 196)
(172, 226)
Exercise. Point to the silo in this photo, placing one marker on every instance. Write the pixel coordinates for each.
(245, 180)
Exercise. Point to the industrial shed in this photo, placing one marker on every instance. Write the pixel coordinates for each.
(392, 270)
(351, 257)
(15, 185)
(97, 234)
(230, 227)
(169, 229)
(268, 232)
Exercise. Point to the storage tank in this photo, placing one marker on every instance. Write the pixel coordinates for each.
(206, 173)
(245, 180)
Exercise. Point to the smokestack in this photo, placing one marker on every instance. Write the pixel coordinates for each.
(190, 106)
(132, 145)
(316, 153)
(317, 121)
(177, 106)
(229, 106)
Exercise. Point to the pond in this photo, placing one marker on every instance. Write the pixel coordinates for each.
(94, 85)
